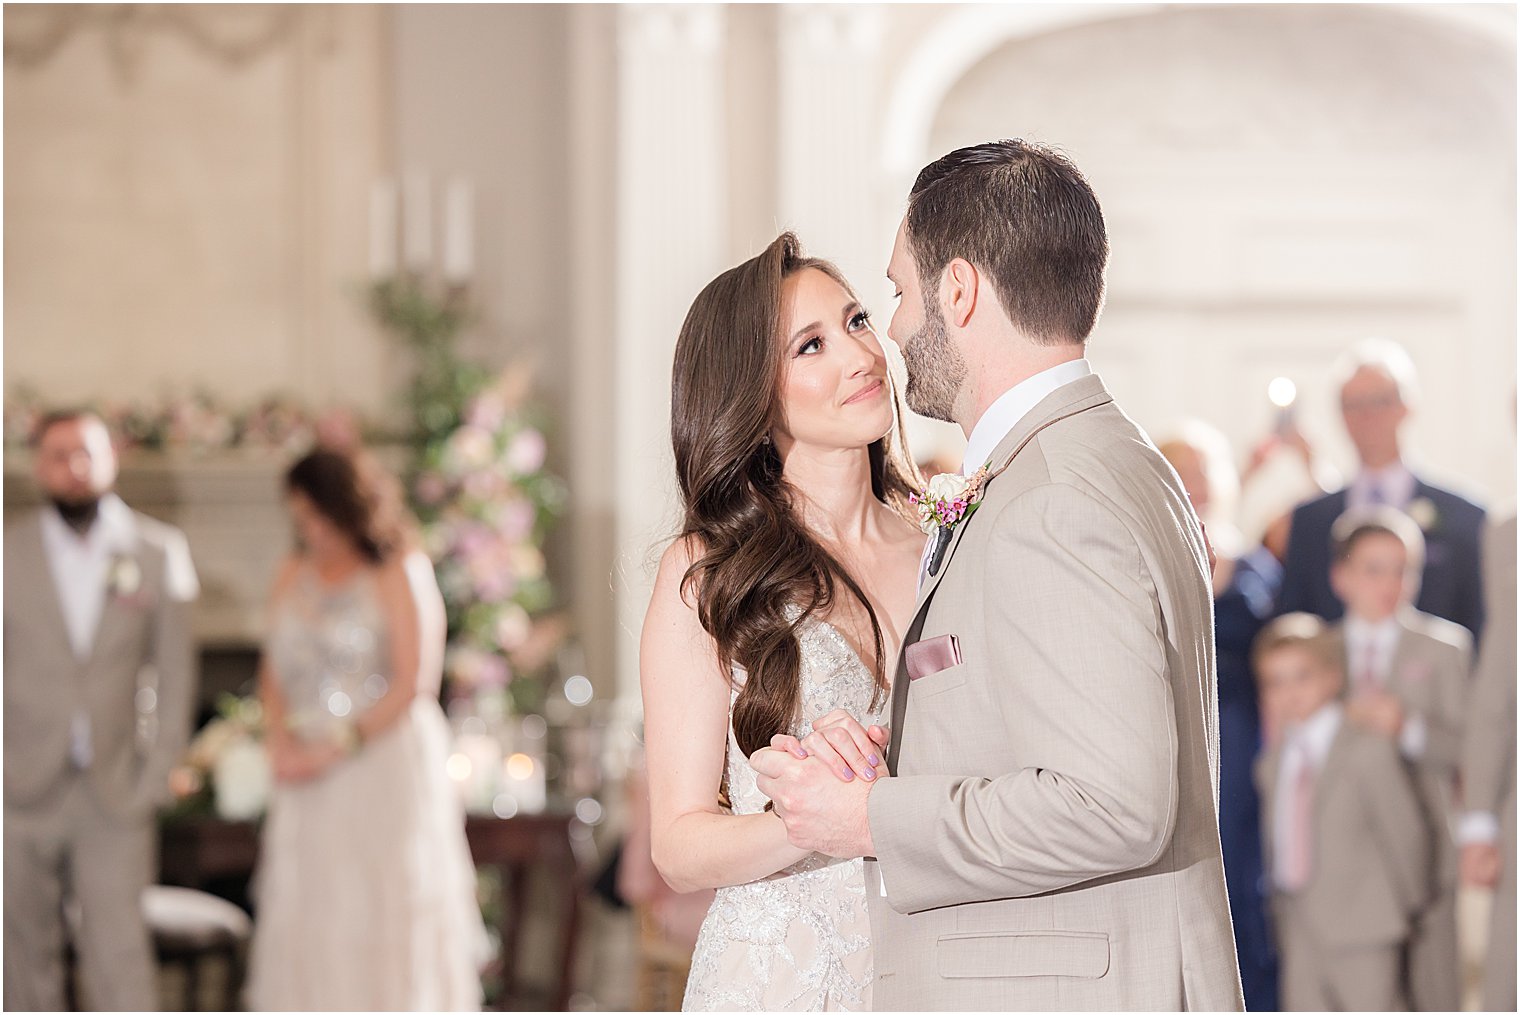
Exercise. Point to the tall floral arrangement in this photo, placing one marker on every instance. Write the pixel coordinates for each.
(483, 495)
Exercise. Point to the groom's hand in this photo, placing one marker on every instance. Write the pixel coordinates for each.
(843, 744)
(821, 811)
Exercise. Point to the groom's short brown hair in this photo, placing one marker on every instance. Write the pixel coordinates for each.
(1023, 214)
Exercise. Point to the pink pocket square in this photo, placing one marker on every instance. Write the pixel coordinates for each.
(928, 657)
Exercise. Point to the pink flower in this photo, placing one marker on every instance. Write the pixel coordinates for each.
(525, 454)
(431, 488)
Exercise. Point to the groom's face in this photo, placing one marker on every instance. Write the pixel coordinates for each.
(936, 369)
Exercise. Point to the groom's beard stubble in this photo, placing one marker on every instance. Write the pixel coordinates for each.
(936, 370)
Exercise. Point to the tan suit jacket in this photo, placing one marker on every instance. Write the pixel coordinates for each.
(1370, 872)
(1340, 938)
(143, 640)
(1429, 675)
(1049, 838)
(1488, 760)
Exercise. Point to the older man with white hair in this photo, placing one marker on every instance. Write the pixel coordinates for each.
(1378, 392)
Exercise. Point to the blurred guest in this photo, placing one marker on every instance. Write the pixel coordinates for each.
(1344, 834)
(1245, 589)
(1408, 684)
(1488, 769)
(365, 894)
(1377, 395)
(97, 634)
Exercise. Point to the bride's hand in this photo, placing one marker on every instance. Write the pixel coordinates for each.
(841, 742)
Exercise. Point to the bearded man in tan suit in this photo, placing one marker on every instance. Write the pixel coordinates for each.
(99, 689)
(1048, 840)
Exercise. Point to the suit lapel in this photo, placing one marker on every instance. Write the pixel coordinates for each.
(35, 561)
(1403, 655)
(1329, 769)
(1066, 401)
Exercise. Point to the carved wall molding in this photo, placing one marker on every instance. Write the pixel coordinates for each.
(231, 36)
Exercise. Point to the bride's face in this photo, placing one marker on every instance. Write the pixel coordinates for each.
(834, 386)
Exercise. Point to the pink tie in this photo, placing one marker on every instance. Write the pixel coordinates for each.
(1299, 861)
(1367, 681)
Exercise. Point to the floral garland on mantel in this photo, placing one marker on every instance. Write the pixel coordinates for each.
(196, 424)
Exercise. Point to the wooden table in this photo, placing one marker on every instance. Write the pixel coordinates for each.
(196, 851)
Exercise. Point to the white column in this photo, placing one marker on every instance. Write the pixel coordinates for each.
(830, 83)
(671, 222)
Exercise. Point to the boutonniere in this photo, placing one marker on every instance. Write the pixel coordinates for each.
(1423, 511)
(947, 500)
(124, 577)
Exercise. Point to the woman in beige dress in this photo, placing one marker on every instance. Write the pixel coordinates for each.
(365, 893)
(776, 612)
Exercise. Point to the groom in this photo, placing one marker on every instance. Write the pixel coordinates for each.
(1049, 839)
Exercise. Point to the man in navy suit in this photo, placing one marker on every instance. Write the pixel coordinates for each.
(1375, 400)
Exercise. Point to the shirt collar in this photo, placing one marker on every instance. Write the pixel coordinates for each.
(1316, 733)
(1381, 633)
(1394, 481)
(1012, 406)
(114, 529)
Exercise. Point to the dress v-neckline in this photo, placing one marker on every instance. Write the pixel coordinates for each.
(850, 647)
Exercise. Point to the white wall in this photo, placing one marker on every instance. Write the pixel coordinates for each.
(1280, 182)
(185, 201)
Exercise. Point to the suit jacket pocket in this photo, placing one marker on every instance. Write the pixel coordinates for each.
(934, 683)
(1024, 953)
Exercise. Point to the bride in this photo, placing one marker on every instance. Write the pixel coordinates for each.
(777, 612)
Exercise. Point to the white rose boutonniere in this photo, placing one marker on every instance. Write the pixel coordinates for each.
(124, 577)
(947, 500)
(1423, 511)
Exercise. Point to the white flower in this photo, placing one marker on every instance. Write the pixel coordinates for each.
(948, 486)
(125, 576)
(242, 780)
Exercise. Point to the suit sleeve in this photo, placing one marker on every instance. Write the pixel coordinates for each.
(1444, 727)
(174, 661)
(1401, 823)
(1079, 675)
(1488, 756)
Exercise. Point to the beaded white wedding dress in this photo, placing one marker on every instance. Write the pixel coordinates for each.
(799, 940)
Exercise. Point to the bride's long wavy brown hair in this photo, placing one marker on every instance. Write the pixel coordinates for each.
(753, 555)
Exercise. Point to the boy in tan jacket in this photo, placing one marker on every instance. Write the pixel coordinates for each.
(1345, 841)
(1407, 675)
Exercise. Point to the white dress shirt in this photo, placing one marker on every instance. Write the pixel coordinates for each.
(1392, 485)
(1011, 408)
(1375, 643)
(1308, 742)
(80, 566)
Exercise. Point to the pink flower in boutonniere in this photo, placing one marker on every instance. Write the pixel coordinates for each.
(947, 500)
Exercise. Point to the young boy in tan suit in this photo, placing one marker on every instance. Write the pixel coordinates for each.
(1408, 677)
(1345, 840)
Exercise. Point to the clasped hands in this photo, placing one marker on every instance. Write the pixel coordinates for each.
(1377, 711)
(818, 785)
